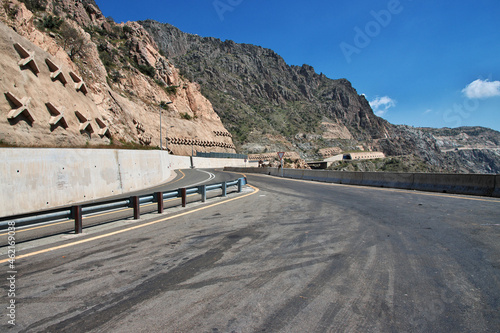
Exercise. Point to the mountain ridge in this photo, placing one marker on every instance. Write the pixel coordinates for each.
(264, 79)
(269, 105)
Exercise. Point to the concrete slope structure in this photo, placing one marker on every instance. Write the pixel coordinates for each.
(56, 109)
(89, 81)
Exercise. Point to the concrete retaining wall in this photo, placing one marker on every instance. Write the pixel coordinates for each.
(474, 184)
(38, 179)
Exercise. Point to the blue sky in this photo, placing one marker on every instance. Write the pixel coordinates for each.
(429, 63)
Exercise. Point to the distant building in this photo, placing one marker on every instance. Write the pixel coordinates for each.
(328, 152)
(368, 155)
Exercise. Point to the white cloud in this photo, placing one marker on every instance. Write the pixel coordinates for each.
(482, 89)
(381, 105)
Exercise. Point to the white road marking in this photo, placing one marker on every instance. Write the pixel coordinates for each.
(211, 176)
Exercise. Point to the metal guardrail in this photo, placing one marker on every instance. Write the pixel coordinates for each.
(78, 212)
(221, 155)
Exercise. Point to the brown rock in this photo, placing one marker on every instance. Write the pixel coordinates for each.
(128, 107)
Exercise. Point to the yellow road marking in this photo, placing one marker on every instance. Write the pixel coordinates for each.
(256, 190)
(175, 181)
(238, 173)
(455, 196)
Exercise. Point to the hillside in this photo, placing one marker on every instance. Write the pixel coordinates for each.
(258, 96)
(73, 78)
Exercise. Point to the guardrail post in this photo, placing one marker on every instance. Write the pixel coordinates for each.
(203, 192)
(159, 200)
(183, 196)
(76, 214)
(136, 207)
(240, 184)
(224, 189)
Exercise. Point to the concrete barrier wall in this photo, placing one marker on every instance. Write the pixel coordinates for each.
(474, 184)
(455, 183)
(184, 162)
(386, 179)
(294, 173)
(38, 179)
(496, 191)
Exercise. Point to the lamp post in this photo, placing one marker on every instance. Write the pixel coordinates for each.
(162, 105)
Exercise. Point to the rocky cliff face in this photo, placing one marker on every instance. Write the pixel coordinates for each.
(71, 77)
(468, 149)
(256, 93)
(270, 106)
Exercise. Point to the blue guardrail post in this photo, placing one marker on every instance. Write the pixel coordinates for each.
(240, 184)
(224, 189)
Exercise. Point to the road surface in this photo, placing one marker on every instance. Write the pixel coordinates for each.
(291, 256)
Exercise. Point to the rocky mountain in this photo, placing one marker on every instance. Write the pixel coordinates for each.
(258, 95)
(269, 106)
(462, 138)
(72, 77)
(468, 149)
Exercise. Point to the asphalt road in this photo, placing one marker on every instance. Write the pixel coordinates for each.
(292, 256)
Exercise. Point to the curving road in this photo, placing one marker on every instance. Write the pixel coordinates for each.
(291, 256)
